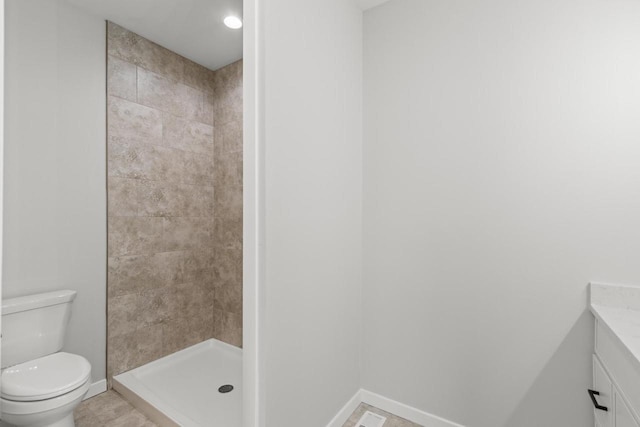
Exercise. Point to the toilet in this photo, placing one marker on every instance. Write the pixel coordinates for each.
(41, 386)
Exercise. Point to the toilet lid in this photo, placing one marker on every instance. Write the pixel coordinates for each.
(45, 378)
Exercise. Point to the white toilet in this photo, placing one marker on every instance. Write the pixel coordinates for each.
(41, 386)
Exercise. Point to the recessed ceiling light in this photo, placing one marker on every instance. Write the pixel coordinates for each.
(233, 22)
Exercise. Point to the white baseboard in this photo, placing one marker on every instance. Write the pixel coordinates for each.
(346, 411)
(400, 409)
(405, 411)
(96, 388)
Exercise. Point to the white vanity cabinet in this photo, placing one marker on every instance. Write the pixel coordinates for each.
(616, 362)
(616, 383)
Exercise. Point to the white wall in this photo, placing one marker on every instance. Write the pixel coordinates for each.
(312, 55)
(501, 175)
(55, 164)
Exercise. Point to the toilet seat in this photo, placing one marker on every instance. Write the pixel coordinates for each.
(10, 407)
(44, 378)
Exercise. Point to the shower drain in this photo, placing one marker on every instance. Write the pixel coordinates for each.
(225, 388)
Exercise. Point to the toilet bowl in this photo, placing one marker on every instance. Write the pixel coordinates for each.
(41, 386)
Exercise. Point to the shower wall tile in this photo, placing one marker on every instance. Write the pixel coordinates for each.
(133, 121)
(134, 235)
(160, 198)
(227, 327)
(139, 51)
(187, 135)
(161, 192)
(227, 222)
(121, 79)
(207, 113)
(128, 351)
(166, 95)
(122, 199)
(198, 77)
(185, 233)
(198, 168)
(198, 200)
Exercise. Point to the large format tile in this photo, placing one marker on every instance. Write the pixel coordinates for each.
(140, 273)
(134, 235)
(122, 196)
(392, 420)
(198, 169)
(133, 121)
(198, 200)
(131, 312)
(227, 327)
(121, 79)
(160, 198)
(187, 135)
(166, 95)
(198, 77)
(131, 159)
(134, 349)
(109, 409)
(187, 233)
(137, 50)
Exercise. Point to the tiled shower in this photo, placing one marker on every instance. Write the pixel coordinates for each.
(174, 165)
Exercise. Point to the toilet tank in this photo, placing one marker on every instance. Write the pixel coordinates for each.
(34, 326)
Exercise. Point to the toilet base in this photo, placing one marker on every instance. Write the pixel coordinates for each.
(57, 412)
(63, 422)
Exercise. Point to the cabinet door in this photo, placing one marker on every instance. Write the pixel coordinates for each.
(602, 384)
(623, 414)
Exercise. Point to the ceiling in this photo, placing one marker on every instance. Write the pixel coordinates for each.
(191, 28)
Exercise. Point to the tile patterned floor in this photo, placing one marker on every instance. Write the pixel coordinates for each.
(392, 420)
(109, 410)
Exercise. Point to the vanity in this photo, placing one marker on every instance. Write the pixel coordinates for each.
(616, 360)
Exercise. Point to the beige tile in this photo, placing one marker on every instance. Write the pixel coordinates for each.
(121, 79)
(129, 159)
(227, 327)
(228, 296)
(133, 121)
(198, 265)
(106, 409)
(182, 332)
(392, 420)
(197, 76)
(169, 96)
(160, 199)
(229, 76)
(170, 267)
(208, 109)
(187, 135)
(140, 273)
(109, 406)
(228, 232)
(129, 313)
(198, 200)
(187, 233)
(228, 138)
(228, 170)
(137, 50)
(228, 202)
(227, 264)
(198, 169)
(134, 349)
(131, 274)
(122, 195)
(132, 419)
(134, 235)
